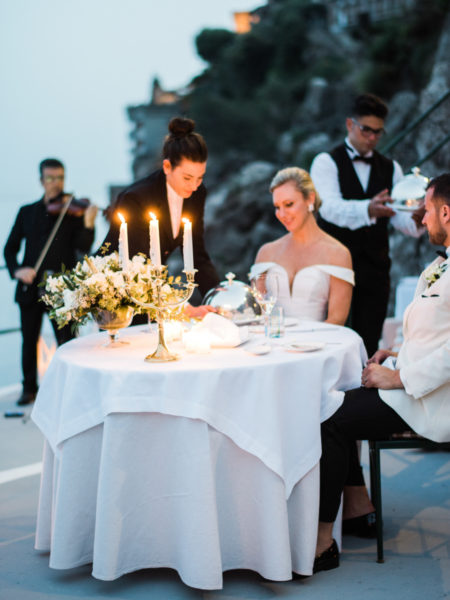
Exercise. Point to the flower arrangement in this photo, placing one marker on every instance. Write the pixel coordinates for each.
(434, 272)
(99, 283)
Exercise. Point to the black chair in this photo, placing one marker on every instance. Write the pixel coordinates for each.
(408, 439)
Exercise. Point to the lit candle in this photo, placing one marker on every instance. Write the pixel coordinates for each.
(155, 248)
(187, 246)
(123, 244)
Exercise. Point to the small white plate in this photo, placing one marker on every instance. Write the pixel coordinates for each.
(239, 321)
(290, 321)
(303, 346)
(259, 349)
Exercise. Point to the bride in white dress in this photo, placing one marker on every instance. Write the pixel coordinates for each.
(314, 270)
(315, 281)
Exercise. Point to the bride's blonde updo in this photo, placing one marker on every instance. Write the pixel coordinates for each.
(184, 142)
(302, 181)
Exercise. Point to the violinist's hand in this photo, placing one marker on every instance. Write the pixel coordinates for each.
(25, 275)
(198, 312)
(89, 216)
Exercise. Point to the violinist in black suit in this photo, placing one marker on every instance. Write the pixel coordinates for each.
(33, 225)
(173, 192)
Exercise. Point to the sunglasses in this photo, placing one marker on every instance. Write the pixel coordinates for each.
(52, 178)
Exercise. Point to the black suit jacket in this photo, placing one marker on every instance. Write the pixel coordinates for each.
(150, 195)
(33, 225)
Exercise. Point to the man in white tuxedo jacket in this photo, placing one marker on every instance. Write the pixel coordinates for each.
(408, 391)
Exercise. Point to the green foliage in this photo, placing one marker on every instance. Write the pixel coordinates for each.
(230, 124)
(210, 43)
(400, 51)
(255, 82)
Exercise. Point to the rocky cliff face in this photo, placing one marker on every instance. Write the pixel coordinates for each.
(240, 218)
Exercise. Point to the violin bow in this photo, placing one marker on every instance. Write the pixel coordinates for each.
(53, 232)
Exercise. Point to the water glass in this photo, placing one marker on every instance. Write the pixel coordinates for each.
(276, 322)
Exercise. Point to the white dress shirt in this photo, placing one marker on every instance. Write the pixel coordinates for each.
(175, 208)
(353, 213)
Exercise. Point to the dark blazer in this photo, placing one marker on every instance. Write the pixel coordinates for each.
(33, 225)
(150, 194)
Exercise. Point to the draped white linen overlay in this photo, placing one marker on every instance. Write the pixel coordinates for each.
(202, 465)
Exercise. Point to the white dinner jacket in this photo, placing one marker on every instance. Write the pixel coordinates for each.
(424, 360)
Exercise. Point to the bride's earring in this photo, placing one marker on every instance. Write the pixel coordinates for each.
(311, 207)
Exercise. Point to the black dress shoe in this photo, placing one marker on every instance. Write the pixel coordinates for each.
(26, 398)
(364, 526)
(329, 559)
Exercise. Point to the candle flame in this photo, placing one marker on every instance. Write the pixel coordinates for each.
(185, 220)
(121, 217)
(153, 216)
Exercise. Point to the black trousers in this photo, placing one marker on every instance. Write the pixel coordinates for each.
(362, 416)
(31, 323)
(368, 310)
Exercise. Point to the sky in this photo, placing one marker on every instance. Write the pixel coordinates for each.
(69, 69)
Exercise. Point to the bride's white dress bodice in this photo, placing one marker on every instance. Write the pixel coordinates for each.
(308, 298)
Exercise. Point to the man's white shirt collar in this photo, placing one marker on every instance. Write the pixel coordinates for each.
(352, 151)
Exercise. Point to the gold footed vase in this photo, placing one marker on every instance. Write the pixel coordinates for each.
(113, 322)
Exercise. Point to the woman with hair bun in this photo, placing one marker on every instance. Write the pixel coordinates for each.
(313, 270)
(174, 191)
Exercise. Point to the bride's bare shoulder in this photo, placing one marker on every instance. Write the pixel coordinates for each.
(270, 251)
(336, 253)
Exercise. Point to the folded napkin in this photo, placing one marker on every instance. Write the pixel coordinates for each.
(222, 332)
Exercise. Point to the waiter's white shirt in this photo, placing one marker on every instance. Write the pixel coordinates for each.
(175, 208)
(353, 214)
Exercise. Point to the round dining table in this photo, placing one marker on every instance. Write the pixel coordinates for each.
(204, 464)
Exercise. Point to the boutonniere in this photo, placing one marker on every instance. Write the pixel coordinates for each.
(434, 272)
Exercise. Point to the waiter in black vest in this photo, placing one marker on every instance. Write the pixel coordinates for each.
(354, 183)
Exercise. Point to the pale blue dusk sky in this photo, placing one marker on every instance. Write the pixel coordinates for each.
(69, 68)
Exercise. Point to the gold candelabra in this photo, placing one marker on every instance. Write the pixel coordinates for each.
(162, 307)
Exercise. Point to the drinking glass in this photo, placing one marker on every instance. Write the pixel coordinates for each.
(265, 292)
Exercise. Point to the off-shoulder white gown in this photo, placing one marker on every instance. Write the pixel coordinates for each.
(308, 298)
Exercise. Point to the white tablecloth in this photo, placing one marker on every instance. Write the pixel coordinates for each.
(205, 464)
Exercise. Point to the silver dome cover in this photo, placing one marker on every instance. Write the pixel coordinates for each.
(410, 190)
(233, 299)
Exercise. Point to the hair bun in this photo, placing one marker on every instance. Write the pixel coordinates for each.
(180, 127)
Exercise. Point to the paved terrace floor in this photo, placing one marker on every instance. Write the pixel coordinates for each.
(416, 494)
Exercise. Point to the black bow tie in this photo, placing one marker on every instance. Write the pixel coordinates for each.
(441, 253)
(366, 159)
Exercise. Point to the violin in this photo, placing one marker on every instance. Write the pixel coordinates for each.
(77, 206)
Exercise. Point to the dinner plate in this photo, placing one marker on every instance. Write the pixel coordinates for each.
(303, 346)
(404, 208)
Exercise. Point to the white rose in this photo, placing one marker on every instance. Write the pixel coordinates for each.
(70, 299)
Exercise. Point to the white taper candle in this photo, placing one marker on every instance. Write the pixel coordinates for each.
(155, 248)
(124, 257)
(188, 254)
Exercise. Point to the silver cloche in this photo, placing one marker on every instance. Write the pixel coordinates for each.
(410, 191)
(233, 299)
